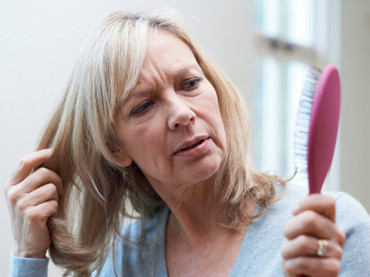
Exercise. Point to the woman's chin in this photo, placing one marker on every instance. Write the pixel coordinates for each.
(205, 169)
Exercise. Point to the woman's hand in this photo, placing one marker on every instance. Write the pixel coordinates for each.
(32, 198)
(313, 227)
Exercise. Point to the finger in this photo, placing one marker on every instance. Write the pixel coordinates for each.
(308, 246)
(322, 204)
(39, 178)
(27, 163)
(311, 266)
(42, 194)
(42, 212)
(313, 224)
(34, 198)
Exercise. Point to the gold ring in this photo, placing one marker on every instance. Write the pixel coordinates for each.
(321, 250)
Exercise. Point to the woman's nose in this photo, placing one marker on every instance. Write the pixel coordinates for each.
(180, 114)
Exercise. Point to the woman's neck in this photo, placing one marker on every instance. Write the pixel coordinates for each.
(195, 215)
(196, 241)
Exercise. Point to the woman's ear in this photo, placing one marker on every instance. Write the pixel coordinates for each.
(120, 155)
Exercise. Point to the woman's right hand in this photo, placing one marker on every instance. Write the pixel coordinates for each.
(32, 197)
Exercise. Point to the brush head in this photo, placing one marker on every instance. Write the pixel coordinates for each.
(303, 123)
(323, 127)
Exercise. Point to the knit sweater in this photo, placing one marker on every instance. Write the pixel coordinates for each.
(259, 254)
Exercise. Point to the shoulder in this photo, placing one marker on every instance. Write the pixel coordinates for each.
(346, 205)
(350, 214)
(288, 196)
(354, 221)
(351, 217)
(279, 212)
(349, 210)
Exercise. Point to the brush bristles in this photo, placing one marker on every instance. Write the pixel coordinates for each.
(303, 121)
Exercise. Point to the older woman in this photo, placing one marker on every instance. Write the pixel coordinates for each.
(148, 121)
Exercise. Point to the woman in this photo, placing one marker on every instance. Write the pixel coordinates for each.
(148, 120)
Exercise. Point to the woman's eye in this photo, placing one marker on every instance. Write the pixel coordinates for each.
(191, 84)
(142, 108)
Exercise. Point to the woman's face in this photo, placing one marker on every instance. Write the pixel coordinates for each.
(170, 124)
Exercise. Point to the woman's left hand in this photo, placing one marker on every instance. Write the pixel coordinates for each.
(315, 243)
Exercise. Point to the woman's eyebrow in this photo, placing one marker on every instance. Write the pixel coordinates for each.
(188, 69)
(139, 93)
(136, 94)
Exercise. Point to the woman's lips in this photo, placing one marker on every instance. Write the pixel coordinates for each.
(193, 147)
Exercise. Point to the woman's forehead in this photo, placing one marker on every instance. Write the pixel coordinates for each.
(165, 47)
(165, 54)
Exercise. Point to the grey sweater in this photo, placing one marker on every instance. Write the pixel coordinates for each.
(259, 254)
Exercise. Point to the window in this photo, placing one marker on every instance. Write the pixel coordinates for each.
(289, 36)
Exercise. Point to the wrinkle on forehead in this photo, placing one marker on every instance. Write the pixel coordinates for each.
(181, 72)
(177, 64)
(153, 54)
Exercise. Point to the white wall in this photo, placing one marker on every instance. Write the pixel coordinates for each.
(39, 41)
(355, 119)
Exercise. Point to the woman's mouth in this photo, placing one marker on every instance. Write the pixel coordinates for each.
(191, 146)
(194, 147)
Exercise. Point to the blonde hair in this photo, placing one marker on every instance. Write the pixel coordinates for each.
(81, 132)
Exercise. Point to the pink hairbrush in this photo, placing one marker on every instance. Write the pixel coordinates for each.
(317, 125)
